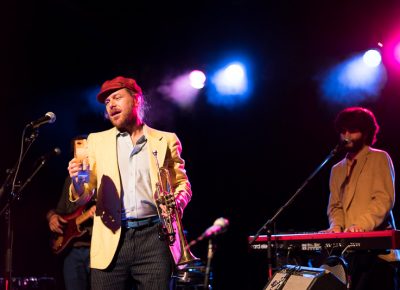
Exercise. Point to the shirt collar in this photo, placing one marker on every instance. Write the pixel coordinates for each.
(119, 133)
(139, 145)
(360, 154)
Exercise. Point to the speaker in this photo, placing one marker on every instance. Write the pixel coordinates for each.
(292, 277)
(337, 266)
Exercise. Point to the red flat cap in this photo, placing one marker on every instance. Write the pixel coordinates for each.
(116, 84)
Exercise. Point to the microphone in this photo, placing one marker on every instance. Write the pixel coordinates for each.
(50, 117)
(55, 152)
(220, 226)
(341, 145)
(344, 142)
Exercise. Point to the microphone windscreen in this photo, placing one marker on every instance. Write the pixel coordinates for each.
(222, 222)
(52, 117)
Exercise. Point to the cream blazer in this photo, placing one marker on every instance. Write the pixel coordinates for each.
(370, 195)
(102, 148)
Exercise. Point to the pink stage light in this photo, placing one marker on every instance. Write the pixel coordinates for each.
(397, 52)
(197, 79)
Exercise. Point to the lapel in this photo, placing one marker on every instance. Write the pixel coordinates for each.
(157, 142)
(109, 182)
(352, 185)
(111, 159)
(341, 175)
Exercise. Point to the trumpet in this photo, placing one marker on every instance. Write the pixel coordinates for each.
(172, 229)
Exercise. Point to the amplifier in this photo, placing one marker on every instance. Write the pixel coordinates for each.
(291, 277)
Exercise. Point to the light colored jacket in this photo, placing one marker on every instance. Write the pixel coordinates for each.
(102, 148)
(370, 195)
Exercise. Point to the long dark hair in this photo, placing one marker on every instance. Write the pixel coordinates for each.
(358, 118)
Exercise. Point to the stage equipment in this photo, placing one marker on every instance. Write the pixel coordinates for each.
(267, 226)
(374, 240)
(292, 277)
(12, 188)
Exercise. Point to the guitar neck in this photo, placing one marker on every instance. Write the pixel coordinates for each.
(85, 216)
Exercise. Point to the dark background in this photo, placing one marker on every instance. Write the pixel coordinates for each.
(243, 162)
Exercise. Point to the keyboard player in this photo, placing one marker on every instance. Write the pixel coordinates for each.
(362, 197)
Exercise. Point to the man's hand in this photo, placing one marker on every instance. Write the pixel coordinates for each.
(56, 223)
(164, 211)
(74, 166)
(335, 229)
(354, 229)
(92, 211)
(169, 204)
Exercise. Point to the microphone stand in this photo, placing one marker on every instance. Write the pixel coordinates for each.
(17, 195)
(268, 224)
(14, 195)
(210, 254)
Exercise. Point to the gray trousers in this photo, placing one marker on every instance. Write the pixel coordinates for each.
(142, 262)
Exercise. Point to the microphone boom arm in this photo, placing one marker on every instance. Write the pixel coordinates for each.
(269, 222)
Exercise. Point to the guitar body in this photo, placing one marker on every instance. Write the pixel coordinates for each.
(71, 230)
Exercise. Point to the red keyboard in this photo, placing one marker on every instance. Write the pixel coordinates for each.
(376, 240)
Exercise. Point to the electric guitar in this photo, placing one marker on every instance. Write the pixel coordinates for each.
(71, 229)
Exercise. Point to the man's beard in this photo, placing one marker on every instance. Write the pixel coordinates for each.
(356, 146)
(119, 125)
(125, 124)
